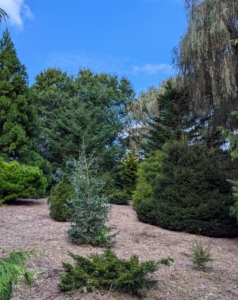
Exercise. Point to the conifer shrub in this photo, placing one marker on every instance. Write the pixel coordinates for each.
(120, 197)
(88, 207)
(148, 172)
(12, 269)
(107, 272)
(192, 195)
(59, 195)
(20, 181)
(200, 256)
(129, 172)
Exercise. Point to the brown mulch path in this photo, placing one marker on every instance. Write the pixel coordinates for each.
(26, 225)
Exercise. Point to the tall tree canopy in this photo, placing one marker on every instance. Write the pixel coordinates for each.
(207, 56)
(90, 107)
(18, 118)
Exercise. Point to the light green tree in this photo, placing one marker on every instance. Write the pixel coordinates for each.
(148, 172)
(20, 181)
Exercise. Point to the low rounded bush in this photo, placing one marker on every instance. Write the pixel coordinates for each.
(192, 195)
(57, 200)
(20, 181)
(120, 197)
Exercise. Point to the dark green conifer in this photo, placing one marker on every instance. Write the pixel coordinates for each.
(18, 119)
(174, 120)
(192, 195)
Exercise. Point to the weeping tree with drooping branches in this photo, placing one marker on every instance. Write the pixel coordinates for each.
(207, 59)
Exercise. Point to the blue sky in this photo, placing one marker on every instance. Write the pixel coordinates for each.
(134, 38)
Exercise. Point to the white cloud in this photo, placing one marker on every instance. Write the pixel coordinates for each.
(153, 69)
(17, 11)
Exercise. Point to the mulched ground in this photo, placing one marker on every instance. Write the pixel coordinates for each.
(26, 225)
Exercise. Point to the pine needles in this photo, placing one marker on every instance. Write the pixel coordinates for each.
(200, 256)
(107, 272)
(12, 269)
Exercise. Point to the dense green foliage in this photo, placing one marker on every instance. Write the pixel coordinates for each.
(113, 189)
(192, 195)
(174, 120)
(88, 207)
(171, 120)
(18, 118)
(120, 197)
(107, 272)
(59, 195)
(89, 107)
(12, 269)
(20, 181)
(129, 172)
(148, 173)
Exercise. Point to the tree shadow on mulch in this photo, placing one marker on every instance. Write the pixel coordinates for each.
(24, 202)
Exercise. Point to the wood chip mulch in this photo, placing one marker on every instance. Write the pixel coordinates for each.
(26, 225)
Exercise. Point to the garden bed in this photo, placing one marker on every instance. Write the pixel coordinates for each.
(26, 225)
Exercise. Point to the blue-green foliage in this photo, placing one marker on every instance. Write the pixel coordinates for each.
(12, 269)
(88, 207)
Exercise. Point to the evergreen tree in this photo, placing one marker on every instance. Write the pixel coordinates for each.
(129, 172)
(59, 195)
(88, 207)
(192, 194)
(173, 120)
(89, 107)
(52, 90)
(148, 172)
(18, 118)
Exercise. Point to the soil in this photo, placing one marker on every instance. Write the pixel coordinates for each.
(26, 225)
